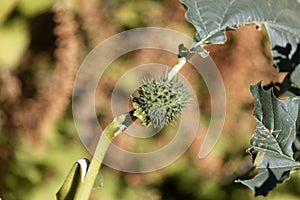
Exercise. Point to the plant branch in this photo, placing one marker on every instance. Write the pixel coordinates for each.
(117, 126)
(184, 55)
(177, 68)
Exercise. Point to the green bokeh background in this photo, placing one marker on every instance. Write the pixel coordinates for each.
(39, 143)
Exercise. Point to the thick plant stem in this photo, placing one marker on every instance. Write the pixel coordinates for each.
(117, 126)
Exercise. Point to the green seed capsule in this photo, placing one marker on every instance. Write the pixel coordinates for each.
(160, 101)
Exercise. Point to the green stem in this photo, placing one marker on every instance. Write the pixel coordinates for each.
(177, 68)
(184, 55)
(117, 126)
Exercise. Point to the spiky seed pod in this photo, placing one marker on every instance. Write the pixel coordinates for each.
(160, 101)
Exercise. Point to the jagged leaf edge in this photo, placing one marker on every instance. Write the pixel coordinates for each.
(264, 171)
(220, 37)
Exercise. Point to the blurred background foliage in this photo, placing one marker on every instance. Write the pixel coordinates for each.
(42, 44)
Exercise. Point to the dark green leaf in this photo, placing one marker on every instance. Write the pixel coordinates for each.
(212, 18)
(297, 141)
(265, 181)
(273, 139)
